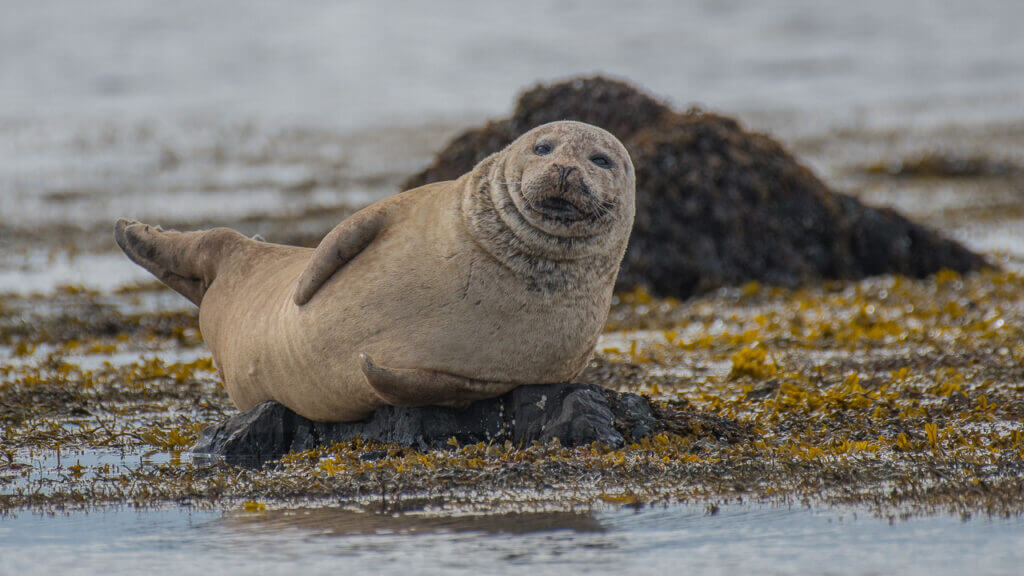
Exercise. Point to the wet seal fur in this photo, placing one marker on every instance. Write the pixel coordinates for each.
(442, 295)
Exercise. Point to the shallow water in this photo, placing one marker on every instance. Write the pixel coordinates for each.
(359, 63)
(736, 538)
(263, 116)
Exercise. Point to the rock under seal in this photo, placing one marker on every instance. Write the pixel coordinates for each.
(576, 414)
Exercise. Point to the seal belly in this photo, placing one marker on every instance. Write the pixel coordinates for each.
(241, 318)
(448, 307)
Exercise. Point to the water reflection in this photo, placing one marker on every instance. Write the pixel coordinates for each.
(349, 522)
(736, 538)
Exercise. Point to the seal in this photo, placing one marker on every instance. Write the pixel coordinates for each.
(441, 295)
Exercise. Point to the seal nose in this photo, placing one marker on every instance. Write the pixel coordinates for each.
(563, 174)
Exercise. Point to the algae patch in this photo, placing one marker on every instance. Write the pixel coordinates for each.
(904, 395)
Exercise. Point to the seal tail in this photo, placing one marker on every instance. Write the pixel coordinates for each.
(405, 387)
(185, 261)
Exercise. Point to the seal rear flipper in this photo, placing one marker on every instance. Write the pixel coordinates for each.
(185, 261)
(340, 245)
(410, 387)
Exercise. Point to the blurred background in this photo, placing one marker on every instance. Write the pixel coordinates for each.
(282, 118)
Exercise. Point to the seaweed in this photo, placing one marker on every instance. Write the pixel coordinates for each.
(898, 394)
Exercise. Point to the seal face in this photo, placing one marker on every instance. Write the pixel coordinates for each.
(444, 294)
(560, 193)
(567, 181)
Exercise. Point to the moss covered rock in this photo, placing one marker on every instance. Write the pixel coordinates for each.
(716, 204)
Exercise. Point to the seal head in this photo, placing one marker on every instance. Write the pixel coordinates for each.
(562, 192)
(574, 180)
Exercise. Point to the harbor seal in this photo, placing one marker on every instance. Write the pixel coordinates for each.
(441, 295)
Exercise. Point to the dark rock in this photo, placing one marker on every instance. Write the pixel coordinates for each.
(676, 418)
(633, 415)
(717, 205)
(252, 437)
(576, 414)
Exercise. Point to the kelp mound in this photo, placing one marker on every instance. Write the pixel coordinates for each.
(574, 414)
(716, 204)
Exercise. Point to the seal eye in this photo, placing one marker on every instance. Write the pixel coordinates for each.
(601, 160)
(542, 149)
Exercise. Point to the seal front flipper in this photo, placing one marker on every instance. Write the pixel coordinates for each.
(339, 246)
(410, 387)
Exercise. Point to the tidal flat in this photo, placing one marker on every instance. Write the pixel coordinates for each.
(899, 396)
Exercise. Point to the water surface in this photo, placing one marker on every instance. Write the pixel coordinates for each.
(698, 539)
